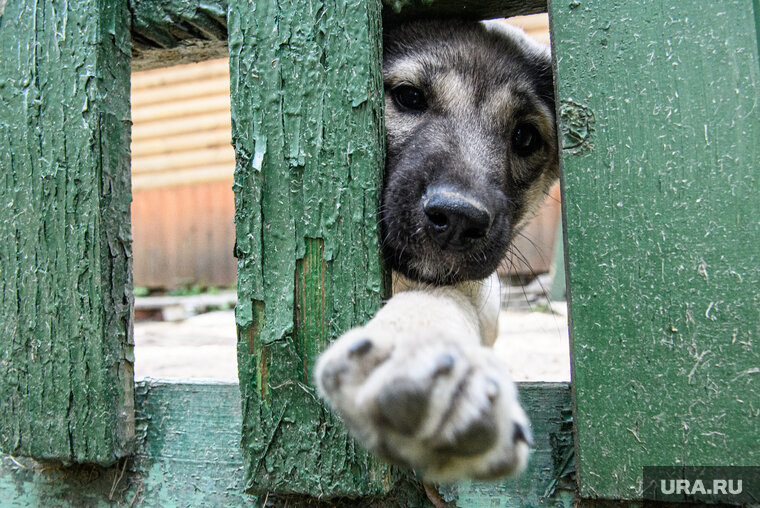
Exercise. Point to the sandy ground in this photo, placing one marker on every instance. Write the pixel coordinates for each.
(533, 344)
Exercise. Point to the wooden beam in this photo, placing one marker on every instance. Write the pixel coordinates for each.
(306, 111)
(188, 454)
(396, 10)
(174, 32)
(65, 255)
(658, 106)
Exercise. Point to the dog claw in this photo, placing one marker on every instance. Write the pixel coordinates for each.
(522, 433)
(360, 347)
(444, 365)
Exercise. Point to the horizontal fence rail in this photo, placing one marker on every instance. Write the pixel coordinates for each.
(170, 32)
(187, 453)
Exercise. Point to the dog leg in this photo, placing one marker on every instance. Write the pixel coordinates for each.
(417, 387)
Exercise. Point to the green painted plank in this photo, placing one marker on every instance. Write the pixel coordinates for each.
(65, 270)
(659, 112)
(187, 454)
(171, 23)
(172, 32)
(306, 115)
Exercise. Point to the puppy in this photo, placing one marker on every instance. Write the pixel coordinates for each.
(471, 151)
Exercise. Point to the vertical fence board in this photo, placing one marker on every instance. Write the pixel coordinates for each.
(660, 119)
(307, 129)
(65, 271)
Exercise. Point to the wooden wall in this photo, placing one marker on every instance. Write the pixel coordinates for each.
(182, 168)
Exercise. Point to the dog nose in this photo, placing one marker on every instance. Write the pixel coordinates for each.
(455, 220)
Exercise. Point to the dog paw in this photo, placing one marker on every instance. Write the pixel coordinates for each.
(442, 407)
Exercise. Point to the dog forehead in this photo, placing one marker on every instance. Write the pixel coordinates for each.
(463, 67)
(428, 64)
(435, 46)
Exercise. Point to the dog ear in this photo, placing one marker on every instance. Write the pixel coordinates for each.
(536, 53)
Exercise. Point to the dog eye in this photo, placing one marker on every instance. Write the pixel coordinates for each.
(525, 139)
(409, 98)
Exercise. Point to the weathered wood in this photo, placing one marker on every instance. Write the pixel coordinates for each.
(659, 112)
(187, 454)
(306, 119)
(174, 32)
(65, 334)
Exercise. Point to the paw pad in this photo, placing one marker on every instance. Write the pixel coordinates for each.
(402, 405)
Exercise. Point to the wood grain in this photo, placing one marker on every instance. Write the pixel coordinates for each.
(659, 112)
(65, 257)
(187, 454)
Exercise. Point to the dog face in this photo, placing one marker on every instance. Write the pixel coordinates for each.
(471, 145)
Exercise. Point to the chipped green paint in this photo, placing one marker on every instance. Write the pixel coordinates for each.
(663, 236)
(187, 454)
(577, 126)
(307, 129)
(66, 380)
(170, 23)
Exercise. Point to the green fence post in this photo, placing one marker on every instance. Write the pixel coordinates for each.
(65, 272)
(307, 129)
(660, 121)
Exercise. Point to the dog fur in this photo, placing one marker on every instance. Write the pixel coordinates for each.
(471, 151)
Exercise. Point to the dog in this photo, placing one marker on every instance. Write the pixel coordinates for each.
(471, 152)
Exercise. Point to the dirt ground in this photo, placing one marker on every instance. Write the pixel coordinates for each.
(533, 344)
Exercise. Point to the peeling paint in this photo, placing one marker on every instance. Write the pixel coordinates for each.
(65, 254)
(577, 126)
(306, 102)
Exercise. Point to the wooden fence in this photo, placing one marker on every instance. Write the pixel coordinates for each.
(657, 104)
